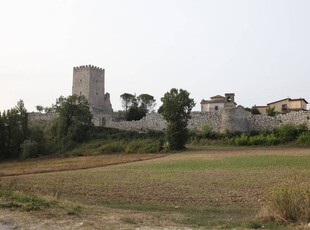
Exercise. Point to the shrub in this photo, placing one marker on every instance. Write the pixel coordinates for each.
(287, 205)
(258, 140)
(113, 147)
(243, 140)
(29, 149)
(271, 139)
(289, 132)
(304, 138)
(144, 146)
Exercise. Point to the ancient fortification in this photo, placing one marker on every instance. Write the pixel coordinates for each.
(228, 119)
(90, 82)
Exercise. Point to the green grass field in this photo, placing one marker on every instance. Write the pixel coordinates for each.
(207, 188)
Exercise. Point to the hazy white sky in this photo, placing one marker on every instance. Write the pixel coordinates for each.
(258, 49)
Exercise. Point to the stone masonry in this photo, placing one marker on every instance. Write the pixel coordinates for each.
(229, 119)
(89, 81)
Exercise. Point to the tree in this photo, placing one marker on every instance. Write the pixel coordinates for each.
(135, 113)
(137, 106)
(271, 111)
(254, 110)
(39, 108)
(146, 101)
(13, 130)
(127, 100)
(73, 112)
(23, 118)
(176, 109)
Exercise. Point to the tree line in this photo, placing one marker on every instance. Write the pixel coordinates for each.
(73, 123)
(19, 140)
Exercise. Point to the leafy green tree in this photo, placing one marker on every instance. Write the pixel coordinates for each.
(73, 112)
(2, 135)
(254, 110)
(13, 130)
(271, 111)
(137, 106)
(135, 113)
(39, 108)
(147, 102)
(23, 118)
(127, 101)
(176, 109)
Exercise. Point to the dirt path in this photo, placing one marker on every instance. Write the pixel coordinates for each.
(94, 218)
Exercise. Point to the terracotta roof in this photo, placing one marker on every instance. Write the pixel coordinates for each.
(212, 101)
(217, 96)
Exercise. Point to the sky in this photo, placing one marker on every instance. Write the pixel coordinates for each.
(257, 49)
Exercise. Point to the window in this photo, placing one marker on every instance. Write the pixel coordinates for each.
(284, 107)
(216, 107)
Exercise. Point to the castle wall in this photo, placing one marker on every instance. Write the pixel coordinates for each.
(36, 116)
(231, 119)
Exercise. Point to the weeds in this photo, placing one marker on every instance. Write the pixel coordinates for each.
(25, 202)
(288, 205)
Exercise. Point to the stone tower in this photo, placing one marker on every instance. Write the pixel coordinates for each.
(89, 81)
(229, 100)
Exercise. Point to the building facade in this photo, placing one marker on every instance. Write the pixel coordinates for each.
(285, 105)
(218, 102)
(288, 104)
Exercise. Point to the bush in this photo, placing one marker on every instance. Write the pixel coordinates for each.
(29, 149)
(271, 139)
(243, 140)
(144, 146)
(113, 147)
(304, 138)
(287, 205)
(289, 132)
(258, 140)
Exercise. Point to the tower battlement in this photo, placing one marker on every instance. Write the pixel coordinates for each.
(87, 67)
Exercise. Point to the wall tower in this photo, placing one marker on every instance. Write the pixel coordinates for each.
(89, 81)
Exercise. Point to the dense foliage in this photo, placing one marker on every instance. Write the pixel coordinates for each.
(136, 107)
(13, 131)
(73, 116)
(284, 134)
(176, 110)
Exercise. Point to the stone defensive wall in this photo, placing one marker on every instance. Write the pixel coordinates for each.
(230, 119)
(36, 116)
